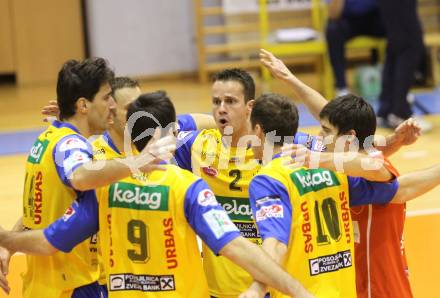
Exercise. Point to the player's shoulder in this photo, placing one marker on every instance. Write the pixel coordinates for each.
(180, 174)
(275, 170)
(277, 166)
(212, 132)
(73, 142)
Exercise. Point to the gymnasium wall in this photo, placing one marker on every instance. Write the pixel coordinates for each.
(143, 37)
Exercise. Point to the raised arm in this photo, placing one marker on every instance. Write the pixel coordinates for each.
(405, 134)
(310, 97)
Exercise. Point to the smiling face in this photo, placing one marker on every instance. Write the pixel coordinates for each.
(229, 107)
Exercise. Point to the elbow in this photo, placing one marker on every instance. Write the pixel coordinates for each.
(46, 248)
(401, 197)
(49, 250)
(383, 175)
(228, 251)
(234, 249)
(79, 181)
(380, 175)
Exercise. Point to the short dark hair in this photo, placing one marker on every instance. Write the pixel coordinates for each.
(159, 105)
(351, 112)
(274, 112)
(80, 79)
(122, 82)
(241, 76)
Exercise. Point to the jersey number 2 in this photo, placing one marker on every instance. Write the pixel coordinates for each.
(233, 184)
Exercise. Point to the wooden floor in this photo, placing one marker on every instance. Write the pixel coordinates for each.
(20, 109)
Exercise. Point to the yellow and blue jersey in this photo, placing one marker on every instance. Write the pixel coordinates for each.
(308, 210)
(228, 171)
(147, 233)
(188, 205)
(55, 155)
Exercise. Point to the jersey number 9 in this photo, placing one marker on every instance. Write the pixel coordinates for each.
(137, 234)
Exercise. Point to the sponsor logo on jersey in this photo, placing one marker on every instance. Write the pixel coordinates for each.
(330, 263)
(271, 211)
(207, 198)
(249, 230)
(210, 171)
(143, 283)
(266, 200)
(68, 214)
(132, 196)
(73, 143)
(238, 209)
(313, 180)
(219, 222)
(37, 151)
(75, 158)
(38, 198)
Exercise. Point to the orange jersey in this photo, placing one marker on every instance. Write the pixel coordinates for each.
(381, 267)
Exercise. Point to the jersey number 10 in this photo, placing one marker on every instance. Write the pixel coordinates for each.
(331, 220)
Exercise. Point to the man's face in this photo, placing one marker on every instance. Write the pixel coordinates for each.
(229, 107)
(101, 110)
(123, 97)
(333, 139)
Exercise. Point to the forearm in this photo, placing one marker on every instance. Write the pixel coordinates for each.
(277, 251)
(391, 146)
(29, 242)
(18, 225)
(265, 270)
(361, 165)
(203, 121)
(415, 184)
(313, 100)
(91, 176)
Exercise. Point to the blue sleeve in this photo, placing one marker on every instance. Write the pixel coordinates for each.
(182, 156)
(79, 222)
(309, 141)
(69, 153)
(364, 192)
(207, 217)
(271, 207)
(186, 122)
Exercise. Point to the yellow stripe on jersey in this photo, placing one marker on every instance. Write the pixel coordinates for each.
(45, 199)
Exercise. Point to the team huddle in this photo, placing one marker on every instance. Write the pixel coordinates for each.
(280, 213)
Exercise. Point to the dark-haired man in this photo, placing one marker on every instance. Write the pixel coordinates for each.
(167, 206)
(303, 214)
(60, 170)
(378, 229)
